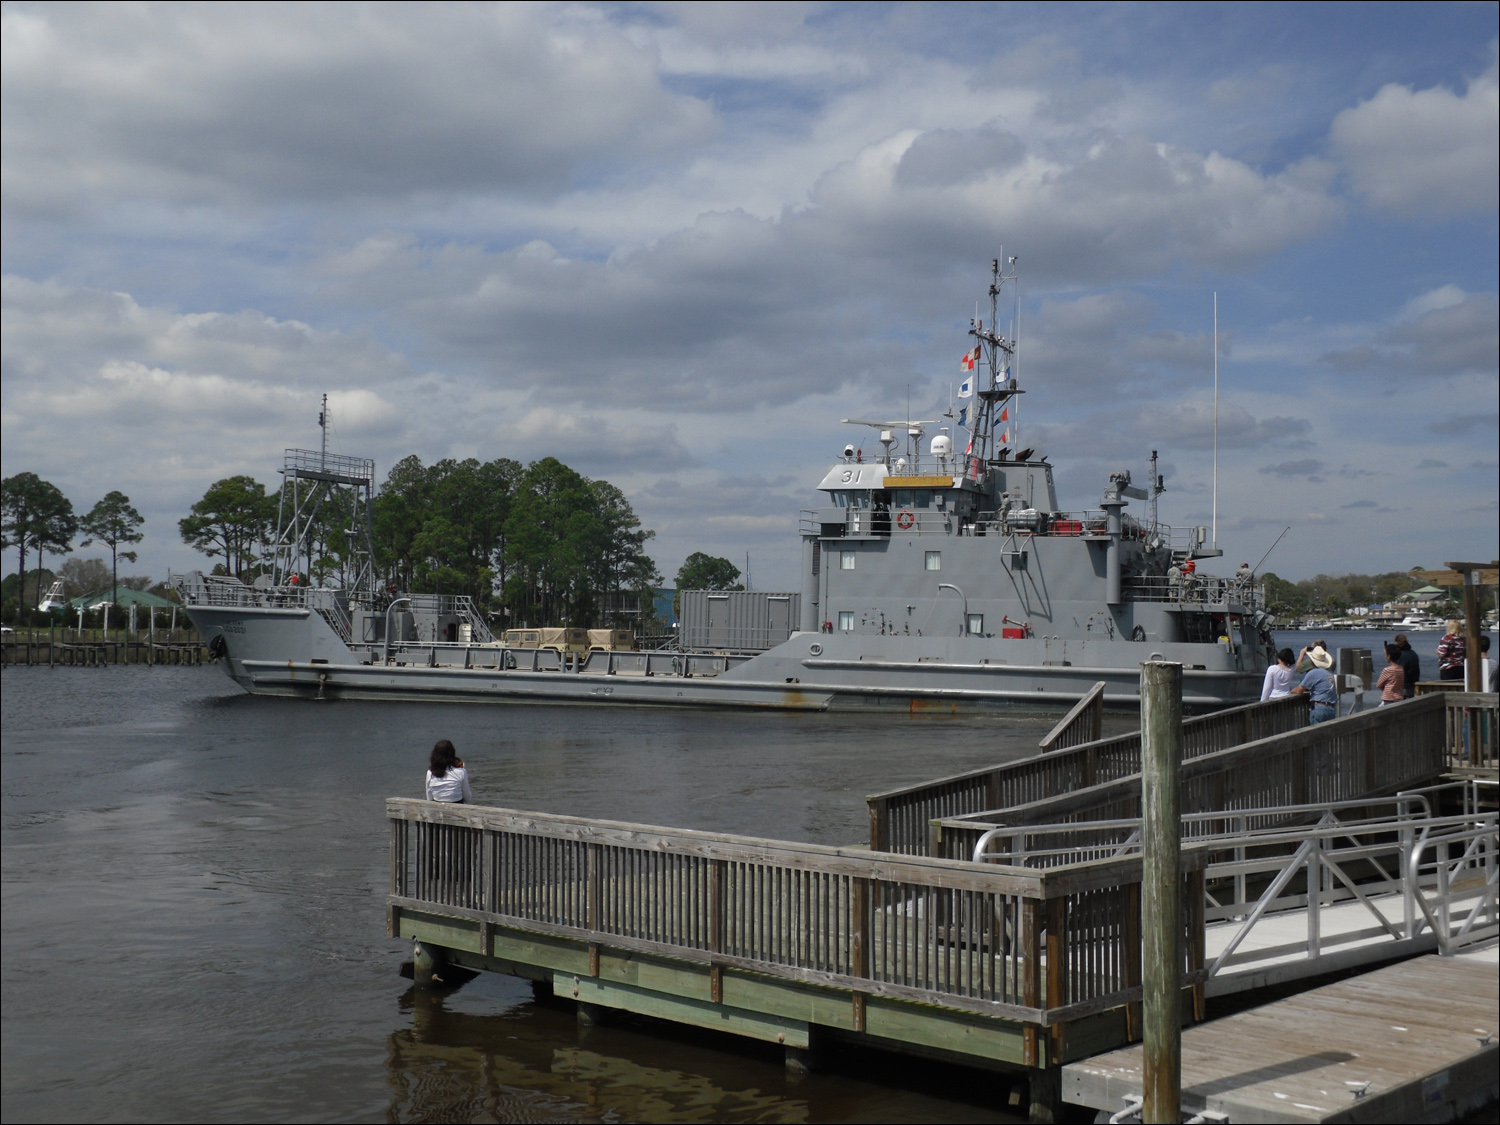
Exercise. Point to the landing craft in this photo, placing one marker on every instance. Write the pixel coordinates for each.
(932, 580)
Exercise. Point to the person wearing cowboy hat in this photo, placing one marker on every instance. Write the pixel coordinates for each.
(1319, 683)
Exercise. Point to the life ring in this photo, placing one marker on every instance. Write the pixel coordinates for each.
(905, 519)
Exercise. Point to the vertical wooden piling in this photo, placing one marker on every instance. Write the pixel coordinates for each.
(1161, 895)
(1474, 669)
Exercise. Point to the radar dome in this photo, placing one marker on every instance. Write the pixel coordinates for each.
(942, 445)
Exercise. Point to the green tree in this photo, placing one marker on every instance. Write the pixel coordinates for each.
(83, 576)
(705, 572)
(622, 563)
(230, 522)
(112, 522)
(34, 513)
(441, 529)
(550, 535)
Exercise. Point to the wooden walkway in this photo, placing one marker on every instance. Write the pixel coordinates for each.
(1414, 1041)
(1027, 962)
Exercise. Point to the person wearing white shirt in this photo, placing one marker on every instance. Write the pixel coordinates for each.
(1279, 677)
(447, 779)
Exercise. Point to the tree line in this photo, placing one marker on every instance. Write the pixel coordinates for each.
(1327, 593)
(531, 544)
(536, 544)
(35, 515)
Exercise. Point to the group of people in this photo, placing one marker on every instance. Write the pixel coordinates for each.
(1311, 672)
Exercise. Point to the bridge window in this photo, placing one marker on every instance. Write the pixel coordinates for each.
(846, 560)
(846, 621)
(845, 498)
(934, 560)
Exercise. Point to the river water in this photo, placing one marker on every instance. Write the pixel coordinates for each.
(193, 919)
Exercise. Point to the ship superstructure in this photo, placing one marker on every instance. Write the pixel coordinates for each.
(932, 579)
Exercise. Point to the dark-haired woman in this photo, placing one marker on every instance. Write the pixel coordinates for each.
(1279, 677)
(447, 780)
(1392, 681)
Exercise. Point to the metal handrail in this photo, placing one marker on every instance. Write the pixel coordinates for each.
(1487, 831)
(1218, 841)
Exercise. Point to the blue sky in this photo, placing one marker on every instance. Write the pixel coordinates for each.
(675, 244)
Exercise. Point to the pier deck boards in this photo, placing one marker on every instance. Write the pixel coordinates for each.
(1411, 1030)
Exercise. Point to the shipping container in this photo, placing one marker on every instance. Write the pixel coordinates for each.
(737, 620)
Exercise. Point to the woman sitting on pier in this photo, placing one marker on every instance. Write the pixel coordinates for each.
(447, 779)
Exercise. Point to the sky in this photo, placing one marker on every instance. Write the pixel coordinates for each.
(674, 245)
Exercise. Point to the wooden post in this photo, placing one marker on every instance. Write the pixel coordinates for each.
(1161, 893)
(1474, 679)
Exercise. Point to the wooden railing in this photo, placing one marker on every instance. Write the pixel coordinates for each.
(1370, 754)
(1472, 737)
(1084, 723)
(1041, 947)
(899, 819)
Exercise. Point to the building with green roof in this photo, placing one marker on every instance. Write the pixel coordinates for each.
(124, 595)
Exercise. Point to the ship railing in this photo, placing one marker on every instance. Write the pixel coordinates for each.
(1039, 947)
(303, 462)
(1193, 589)
(227, 591)
(900, 819)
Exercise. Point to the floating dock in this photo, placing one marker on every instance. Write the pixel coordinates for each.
(1416, 1041)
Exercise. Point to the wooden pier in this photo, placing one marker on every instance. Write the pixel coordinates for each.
(93, 648)
(1028, 960)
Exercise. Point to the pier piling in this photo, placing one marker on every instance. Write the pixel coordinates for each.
(1161, 923)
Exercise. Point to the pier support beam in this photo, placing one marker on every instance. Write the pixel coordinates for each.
(1161, 890)
(1045, 1094)
(427, 963)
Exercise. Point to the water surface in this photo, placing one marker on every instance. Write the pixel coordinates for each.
(193, 921)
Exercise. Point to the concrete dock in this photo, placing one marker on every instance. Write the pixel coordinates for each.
(1415, 1041)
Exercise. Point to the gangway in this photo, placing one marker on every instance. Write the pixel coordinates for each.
(1293, 891)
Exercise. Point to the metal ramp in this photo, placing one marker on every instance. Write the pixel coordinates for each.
(1298, 891)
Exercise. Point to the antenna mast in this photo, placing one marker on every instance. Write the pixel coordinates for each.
(323, 425)
(1000, 353)
(1216, 419)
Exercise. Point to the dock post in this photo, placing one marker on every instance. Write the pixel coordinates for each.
(1161, 893)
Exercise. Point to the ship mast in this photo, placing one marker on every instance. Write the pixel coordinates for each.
(998, 352)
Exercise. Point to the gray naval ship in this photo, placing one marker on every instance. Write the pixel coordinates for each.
(932, 580)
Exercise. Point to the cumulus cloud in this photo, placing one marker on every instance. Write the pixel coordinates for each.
(1445, 332)
(220, 103)
(1424, 153)
(95, 378)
